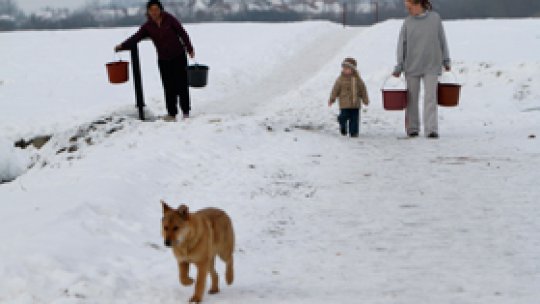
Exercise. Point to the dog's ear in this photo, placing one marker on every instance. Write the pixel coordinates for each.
(184, 212)
(166, 207)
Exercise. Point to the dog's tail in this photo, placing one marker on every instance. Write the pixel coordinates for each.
(227, 256)
(227, 251)
(229, 271)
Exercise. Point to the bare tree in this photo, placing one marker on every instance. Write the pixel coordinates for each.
(9, 8)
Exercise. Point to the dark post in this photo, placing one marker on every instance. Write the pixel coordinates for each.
(139, 97)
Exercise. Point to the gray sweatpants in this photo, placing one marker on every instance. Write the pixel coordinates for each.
(430, 115)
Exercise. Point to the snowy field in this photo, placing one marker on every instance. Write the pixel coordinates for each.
(318, 218)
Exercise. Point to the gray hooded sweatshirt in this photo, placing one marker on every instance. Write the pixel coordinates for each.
(422, 47)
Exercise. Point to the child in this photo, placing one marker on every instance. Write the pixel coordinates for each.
(349, 88)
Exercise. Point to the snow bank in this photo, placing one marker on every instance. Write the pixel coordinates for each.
(12, 163)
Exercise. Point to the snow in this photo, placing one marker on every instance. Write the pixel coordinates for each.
(318, 218)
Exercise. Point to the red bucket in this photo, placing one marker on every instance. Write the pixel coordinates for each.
(448, 93)
(394, 99)
(118, 71)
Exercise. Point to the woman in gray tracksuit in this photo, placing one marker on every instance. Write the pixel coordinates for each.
(422, 52)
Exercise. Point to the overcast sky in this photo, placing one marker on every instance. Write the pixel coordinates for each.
(32, 5)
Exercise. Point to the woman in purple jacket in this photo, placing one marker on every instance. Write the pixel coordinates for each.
(172, 42)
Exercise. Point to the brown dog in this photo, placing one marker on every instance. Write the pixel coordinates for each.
(198, 238)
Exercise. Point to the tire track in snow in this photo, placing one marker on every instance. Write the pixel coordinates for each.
(290, 74)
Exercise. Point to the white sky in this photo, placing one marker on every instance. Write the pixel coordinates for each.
(33, 5)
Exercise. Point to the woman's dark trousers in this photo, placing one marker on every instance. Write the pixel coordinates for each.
(175, 83)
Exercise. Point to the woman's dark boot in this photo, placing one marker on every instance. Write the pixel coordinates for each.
(433, 135)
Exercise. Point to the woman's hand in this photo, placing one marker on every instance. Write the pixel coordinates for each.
(330, 103)
(396, 74)
(118, 48)
(192, 54)
(447, 68)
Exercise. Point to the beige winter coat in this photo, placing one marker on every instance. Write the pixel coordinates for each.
(350, 90)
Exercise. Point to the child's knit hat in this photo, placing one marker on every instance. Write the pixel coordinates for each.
(349, 62)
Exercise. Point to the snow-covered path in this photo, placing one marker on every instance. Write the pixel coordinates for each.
(319, 218)
(288, 72)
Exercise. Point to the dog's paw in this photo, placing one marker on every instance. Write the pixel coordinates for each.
(195, 299)
(213, 291)
(186, 281)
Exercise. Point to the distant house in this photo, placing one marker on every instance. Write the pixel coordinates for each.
(7, 18)
(7, 22)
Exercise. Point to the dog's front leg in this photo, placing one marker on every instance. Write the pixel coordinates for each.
(184, 274)
(202, 272)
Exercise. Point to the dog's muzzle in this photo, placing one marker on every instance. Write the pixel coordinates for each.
(168, 243)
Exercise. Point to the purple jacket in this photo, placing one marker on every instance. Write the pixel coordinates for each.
(165, 37)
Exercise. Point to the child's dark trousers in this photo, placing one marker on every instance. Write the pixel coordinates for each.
(349, 122)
